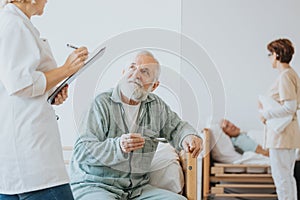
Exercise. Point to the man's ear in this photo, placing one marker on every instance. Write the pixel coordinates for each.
(155, 85)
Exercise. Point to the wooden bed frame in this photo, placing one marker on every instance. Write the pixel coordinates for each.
(216, 174)
(189, 166)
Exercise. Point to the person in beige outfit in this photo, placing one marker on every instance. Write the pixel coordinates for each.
(282, 146)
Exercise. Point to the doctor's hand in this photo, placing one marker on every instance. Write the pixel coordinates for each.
(192, 144)
(262, 119)
(61, 96)
(76, 60)
(260, 106)
(131, 141)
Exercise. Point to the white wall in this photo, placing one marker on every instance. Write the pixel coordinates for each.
(95, 22)
(235, 34)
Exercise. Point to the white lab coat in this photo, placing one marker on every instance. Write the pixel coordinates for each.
(30, 147)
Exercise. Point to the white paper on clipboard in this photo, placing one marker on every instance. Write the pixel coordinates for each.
(92, 57)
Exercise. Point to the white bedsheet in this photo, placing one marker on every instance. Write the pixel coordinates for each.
(166, 171)
(253, 159)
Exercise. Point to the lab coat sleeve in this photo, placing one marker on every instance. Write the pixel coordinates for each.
(18, 66)
(288, 95)
(37, 88)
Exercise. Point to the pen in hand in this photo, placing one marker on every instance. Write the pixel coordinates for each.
(72, 46)
(154, 139)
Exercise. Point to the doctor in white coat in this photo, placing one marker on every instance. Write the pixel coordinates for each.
(32, 165)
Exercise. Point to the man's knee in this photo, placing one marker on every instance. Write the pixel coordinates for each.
(180, 197)
(176, 197)
(92, 193)
(151, 192)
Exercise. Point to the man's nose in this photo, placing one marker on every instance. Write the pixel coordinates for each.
(137, 73)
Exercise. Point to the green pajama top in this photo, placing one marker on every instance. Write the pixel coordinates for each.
(98, 160)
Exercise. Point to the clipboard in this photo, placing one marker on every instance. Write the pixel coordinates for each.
(93, 57)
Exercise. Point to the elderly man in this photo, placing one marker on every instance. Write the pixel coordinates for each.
(244, 143)
(119, 137)
(241, 141)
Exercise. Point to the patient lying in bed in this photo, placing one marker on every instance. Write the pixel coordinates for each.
(230, 145)
(241, 141)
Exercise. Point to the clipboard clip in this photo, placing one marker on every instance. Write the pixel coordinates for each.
(91, 59)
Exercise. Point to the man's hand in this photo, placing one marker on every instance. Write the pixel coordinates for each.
(131, 141)
(262, 151)
(192, 144)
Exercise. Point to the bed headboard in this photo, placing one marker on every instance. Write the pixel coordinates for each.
(206, 163)
(189, 165)
(217, 174)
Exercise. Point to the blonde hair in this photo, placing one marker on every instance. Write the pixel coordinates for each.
(4, 2)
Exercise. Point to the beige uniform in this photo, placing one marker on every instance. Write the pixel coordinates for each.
(286, 87)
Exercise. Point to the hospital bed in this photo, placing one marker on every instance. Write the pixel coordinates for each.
(228, 180)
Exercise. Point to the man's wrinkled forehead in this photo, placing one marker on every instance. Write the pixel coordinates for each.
(145, 60)
(224, 123)
(144, 65)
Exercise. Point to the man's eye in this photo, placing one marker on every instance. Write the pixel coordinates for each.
(145, 71)
(132, 67)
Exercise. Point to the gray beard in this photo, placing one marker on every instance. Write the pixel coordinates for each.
(133, 91)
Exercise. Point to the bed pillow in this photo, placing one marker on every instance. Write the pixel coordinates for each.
(221, 146)
(166, 171)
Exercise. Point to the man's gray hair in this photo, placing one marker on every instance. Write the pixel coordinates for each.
(4, 2)
(148, 53)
